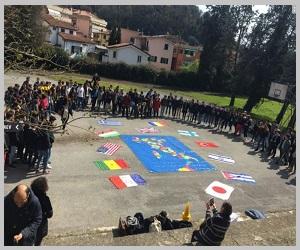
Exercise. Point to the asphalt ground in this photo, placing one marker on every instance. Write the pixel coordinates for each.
(83, 197)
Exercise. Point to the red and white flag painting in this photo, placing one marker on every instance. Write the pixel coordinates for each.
(108, 148)
(206, 144)
(219, 190)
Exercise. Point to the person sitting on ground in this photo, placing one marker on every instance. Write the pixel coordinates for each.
(212, 231)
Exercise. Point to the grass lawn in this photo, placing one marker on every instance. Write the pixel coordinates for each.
(267, 109)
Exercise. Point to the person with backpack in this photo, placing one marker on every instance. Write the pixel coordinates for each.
(212, 231)
(40, 187)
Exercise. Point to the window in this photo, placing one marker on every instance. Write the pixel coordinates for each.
(175, 50)
(166, 46)
(164, 60)
(139, 59)
(152, 58)
(54, 28)
(114, 54)
(147, 45)
(62, 30)
(104, 37)
(71, 32)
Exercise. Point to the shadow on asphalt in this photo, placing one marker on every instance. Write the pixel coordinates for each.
(21, 172)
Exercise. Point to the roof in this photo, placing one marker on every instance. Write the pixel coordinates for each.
(101, 47)
(76, 38)
(167, 37)
(122, 45)
(57, 23)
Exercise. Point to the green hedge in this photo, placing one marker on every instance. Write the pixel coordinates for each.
(122, 71)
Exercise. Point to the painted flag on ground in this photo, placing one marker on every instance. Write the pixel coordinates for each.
(148, 130)
(109, 134)
(99, 132)
(237, 177)
(124, 181)
(157, 124)
(188, 133)
(109, 123)
(111, 164)
(219, 190)
(108, 148)
(186, 169)
(222, 158)
(206, 144)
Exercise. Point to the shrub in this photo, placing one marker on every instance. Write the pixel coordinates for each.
(51, 53)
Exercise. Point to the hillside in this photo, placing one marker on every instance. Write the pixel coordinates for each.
(182, 20)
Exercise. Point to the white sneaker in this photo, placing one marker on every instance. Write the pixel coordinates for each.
(49, 166)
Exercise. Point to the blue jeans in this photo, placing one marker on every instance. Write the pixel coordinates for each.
(49, 155)
(261, 141)
(43, 154)
(12, 154)
(80, 103)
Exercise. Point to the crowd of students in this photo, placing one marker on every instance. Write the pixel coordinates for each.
(32, 104)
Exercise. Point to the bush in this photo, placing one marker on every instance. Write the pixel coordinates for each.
(145, 74)
(52, 53)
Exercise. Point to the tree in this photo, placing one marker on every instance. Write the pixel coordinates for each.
(23, 32)
(270, 41)
(183, 20)
(243, 15)
(24, 37)
(112, 38)
(118, 35)
(218, 31)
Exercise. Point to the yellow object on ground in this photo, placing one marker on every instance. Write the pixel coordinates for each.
(186, 215)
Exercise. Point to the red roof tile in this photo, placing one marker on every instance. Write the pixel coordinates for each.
(57, 23)
(76, 38)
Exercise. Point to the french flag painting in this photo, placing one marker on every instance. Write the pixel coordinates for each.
(238, 177)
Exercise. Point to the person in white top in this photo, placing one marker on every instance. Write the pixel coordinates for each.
(80, 97)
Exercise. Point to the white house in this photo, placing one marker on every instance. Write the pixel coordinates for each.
(65, 35)
(127, 53)
(76, 44)
(55, 26)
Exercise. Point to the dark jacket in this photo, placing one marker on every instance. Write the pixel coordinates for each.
(212, 231)
(43, 140)
(25, 220)
(12, 138)
(47, 212)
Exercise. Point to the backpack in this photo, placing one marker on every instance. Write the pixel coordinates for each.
(122, 228)
(133, 225)
(155, 226)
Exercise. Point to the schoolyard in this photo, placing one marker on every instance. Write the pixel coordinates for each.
(83, 197)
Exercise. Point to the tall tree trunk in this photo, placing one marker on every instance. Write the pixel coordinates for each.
(282, 112)
(292, 121)
(251, 102)
(232, 99)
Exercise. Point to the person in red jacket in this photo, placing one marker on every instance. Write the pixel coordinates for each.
(156, 106)
(44, 104)
(126, 105)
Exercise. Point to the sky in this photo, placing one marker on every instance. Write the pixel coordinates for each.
(260, 8)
